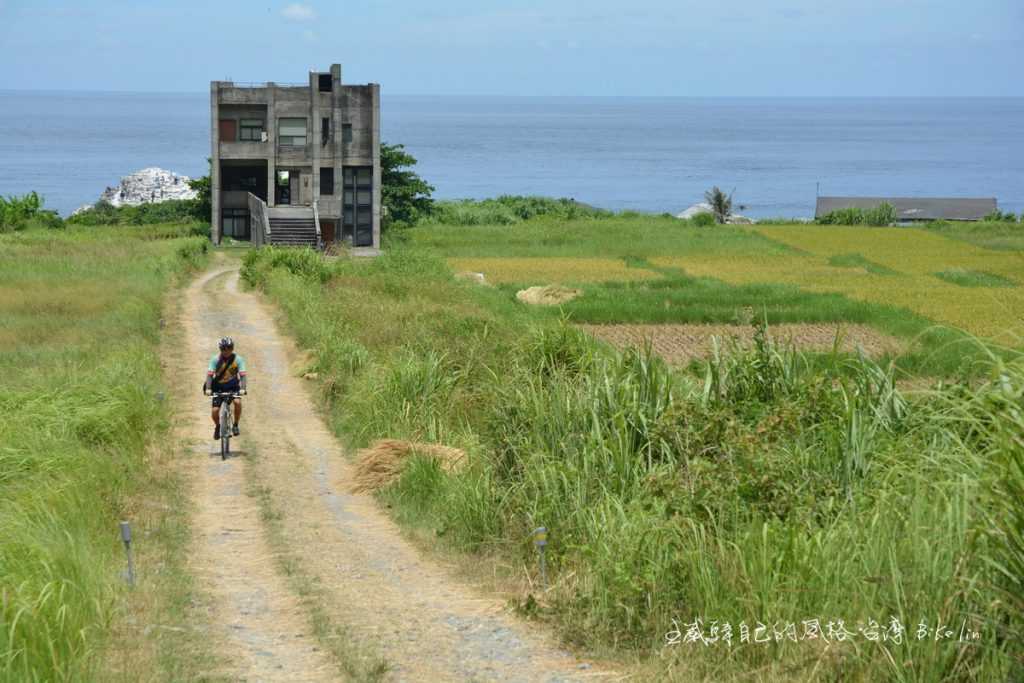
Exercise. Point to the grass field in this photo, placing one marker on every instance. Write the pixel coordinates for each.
(79, 377)
(763, 487)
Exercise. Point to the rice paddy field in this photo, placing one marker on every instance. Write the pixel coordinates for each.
(974, 289)
(930, 285)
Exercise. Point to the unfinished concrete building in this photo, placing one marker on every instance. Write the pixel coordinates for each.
(296, 164)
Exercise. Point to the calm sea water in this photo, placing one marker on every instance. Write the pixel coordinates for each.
(648, 154)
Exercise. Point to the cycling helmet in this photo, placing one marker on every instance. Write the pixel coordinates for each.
(226, 343)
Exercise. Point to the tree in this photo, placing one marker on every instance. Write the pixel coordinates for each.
(202, 208)
(721, 203)
(405, 195)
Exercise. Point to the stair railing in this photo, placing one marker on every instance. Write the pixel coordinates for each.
(259, 220)
(316, 222)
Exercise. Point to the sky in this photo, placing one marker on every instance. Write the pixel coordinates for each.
(525, 47)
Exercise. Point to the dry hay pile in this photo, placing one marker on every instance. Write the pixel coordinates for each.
(382, 463)
(548, 295)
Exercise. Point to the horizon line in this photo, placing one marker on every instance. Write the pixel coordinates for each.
(547, 96)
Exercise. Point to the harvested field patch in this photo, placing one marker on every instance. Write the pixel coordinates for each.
(679, 344)
(552, 270)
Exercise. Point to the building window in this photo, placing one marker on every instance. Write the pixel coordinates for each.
(291, 132)
(325, 82)
(235, 223)
(357, 205)
(325, 130)
(346, 132)
(251, 130)
(327, 180)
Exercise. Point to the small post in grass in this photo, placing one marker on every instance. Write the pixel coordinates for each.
(540, 539)
(126, 536)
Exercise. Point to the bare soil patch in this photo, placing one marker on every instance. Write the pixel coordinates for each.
(680, 344)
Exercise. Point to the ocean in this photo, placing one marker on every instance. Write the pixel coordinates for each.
(644, 154)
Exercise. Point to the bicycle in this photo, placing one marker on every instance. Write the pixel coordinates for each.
(227, 419)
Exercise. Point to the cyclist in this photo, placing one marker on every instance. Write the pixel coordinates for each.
(225, 374)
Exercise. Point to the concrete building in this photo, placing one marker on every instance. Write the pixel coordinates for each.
(296, 164)
(913, 209)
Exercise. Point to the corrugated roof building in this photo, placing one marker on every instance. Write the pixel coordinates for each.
(915, 208)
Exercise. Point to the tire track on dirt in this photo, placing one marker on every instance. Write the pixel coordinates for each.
(372, 582)
(259, 626)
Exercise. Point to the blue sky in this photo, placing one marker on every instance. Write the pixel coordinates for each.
(525, 47)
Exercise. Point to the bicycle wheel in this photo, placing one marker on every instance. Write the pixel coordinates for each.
(225, 432)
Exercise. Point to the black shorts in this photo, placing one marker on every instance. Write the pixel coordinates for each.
(217, 400)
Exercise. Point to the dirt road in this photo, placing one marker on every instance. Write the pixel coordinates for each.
(306, 582)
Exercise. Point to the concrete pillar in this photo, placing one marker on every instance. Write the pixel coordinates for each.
(337, 143)
(314, 134)
(215, 226)
(271, 145)
(375, 100)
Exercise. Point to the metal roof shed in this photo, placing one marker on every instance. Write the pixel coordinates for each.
(915, 208)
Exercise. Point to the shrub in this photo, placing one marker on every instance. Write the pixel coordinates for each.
(170, 211)
(998, 216)
(15, 212)
(511, 209)
(882, 215)
(703, 220)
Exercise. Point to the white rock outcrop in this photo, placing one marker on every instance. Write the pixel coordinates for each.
(148, 185)
(704, 207)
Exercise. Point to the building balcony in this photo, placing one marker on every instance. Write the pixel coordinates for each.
(244, 150)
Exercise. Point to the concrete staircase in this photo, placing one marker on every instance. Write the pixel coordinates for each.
(292, 228)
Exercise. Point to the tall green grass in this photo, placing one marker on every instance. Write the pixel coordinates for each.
(768, 487)
(79, 374)
(509, 210)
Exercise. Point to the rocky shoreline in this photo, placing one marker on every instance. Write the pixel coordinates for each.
(149, 185)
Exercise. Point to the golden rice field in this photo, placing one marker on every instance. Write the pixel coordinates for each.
(914, 256)
(542, 271)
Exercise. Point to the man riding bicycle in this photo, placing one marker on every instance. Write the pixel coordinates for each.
(225, 375)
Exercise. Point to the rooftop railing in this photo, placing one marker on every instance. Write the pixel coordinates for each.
(265, 84)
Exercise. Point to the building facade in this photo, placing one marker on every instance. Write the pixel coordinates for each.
(296, 164)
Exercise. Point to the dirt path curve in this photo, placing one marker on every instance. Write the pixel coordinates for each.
(302, 565)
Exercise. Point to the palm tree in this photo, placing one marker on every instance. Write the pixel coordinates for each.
(721, 203)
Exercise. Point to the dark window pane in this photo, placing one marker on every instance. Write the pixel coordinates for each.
(364, 197)
(363, 175)
(326, 181)
(346, 132)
